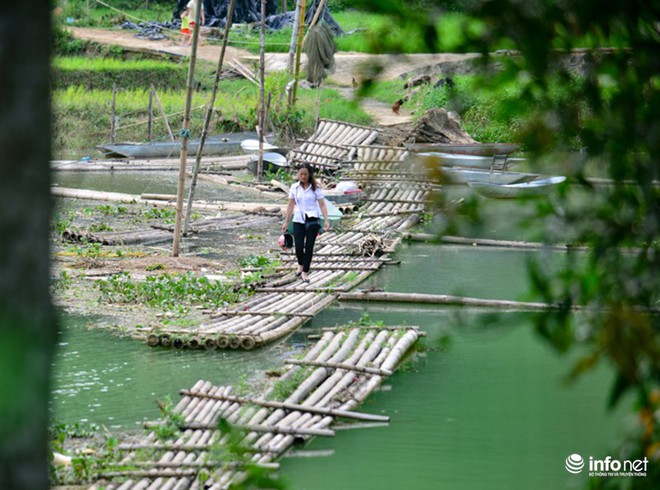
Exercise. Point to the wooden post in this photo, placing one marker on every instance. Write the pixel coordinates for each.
(283, 7)
(296, 71)
(113, 114)
(209, 113)
(150, 123)
(185, 133)
(162, 112)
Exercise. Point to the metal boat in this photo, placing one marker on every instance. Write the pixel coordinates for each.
(537, 187)
(496, 162)
(213, 146)
(479, 149)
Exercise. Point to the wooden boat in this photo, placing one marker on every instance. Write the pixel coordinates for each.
(213, 146)
(496, 162)
(479, 149)
(534, 188)
(272, 162)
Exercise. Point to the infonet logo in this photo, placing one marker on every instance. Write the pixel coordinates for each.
(574, 464)
(607, 467)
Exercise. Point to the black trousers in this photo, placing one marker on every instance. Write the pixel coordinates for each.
(304, 241)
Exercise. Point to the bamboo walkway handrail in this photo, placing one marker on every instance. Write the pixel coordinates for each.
(347, 367)
(293, 406)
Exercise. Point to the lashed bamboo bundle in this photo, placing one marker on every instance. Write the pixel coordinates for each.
(342, 368)
(117, 238)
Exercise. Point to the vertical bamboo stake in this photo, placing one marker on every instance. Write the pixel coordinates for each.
(162, 112)
(151, 116)
(296, 72)
(113, 115)
(209, 113)
(283, 6)
(294, 36)
(185, 133)
(262, 85)
(318, 106)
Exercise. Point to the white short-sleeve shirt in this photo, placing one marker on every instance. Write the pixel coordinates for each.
(307, 202)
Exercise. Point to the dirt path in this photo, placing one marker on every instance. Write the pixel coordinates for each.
(349, 66)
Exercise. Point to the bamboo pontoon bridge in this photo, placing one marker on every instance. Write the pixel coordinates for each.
(342, 259)
(327, 384)
(213, 439)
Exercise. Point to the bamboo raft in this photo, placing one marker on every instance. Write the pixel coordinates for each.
(332, 143)
(334, 377)
(343, 260)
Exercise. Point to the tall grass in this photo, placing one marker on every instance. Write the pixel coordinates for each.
(82, 117)
(78, 63)
(103, 72)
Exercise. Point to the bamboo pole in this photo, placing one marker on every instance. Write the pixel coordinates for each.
(135, 199)
(151, 116)
(445, 300)
(262, 84)
(294, 37)
(209, 113)
(270, 428)
(334, 365)
(185, 132)
(296, 71)
(195, 464)
(113, 114)
(298, 407)
(162, 113)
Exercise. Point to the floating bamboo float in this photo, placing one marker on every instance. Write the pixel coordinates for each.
(343, 368)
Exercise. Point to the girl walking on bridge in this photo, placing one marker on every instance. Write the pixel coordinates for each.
(307, 205)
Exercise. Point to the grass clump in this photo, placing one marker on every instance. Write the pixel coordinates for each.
(167, 291)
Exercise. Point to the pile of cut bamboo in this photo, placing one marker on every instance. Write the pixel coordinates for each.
(334, 377)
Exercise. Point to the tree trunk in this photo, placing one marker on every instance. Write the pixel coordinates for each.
(28, 330)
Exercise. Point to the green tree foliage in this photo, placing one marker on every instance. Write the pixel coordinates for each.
(609, 109)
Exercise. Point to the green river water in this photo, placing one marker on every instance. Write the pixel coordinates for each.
(484, 406)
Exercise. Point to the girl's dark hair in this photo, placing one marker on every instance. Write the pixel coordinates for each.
(310, 169)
